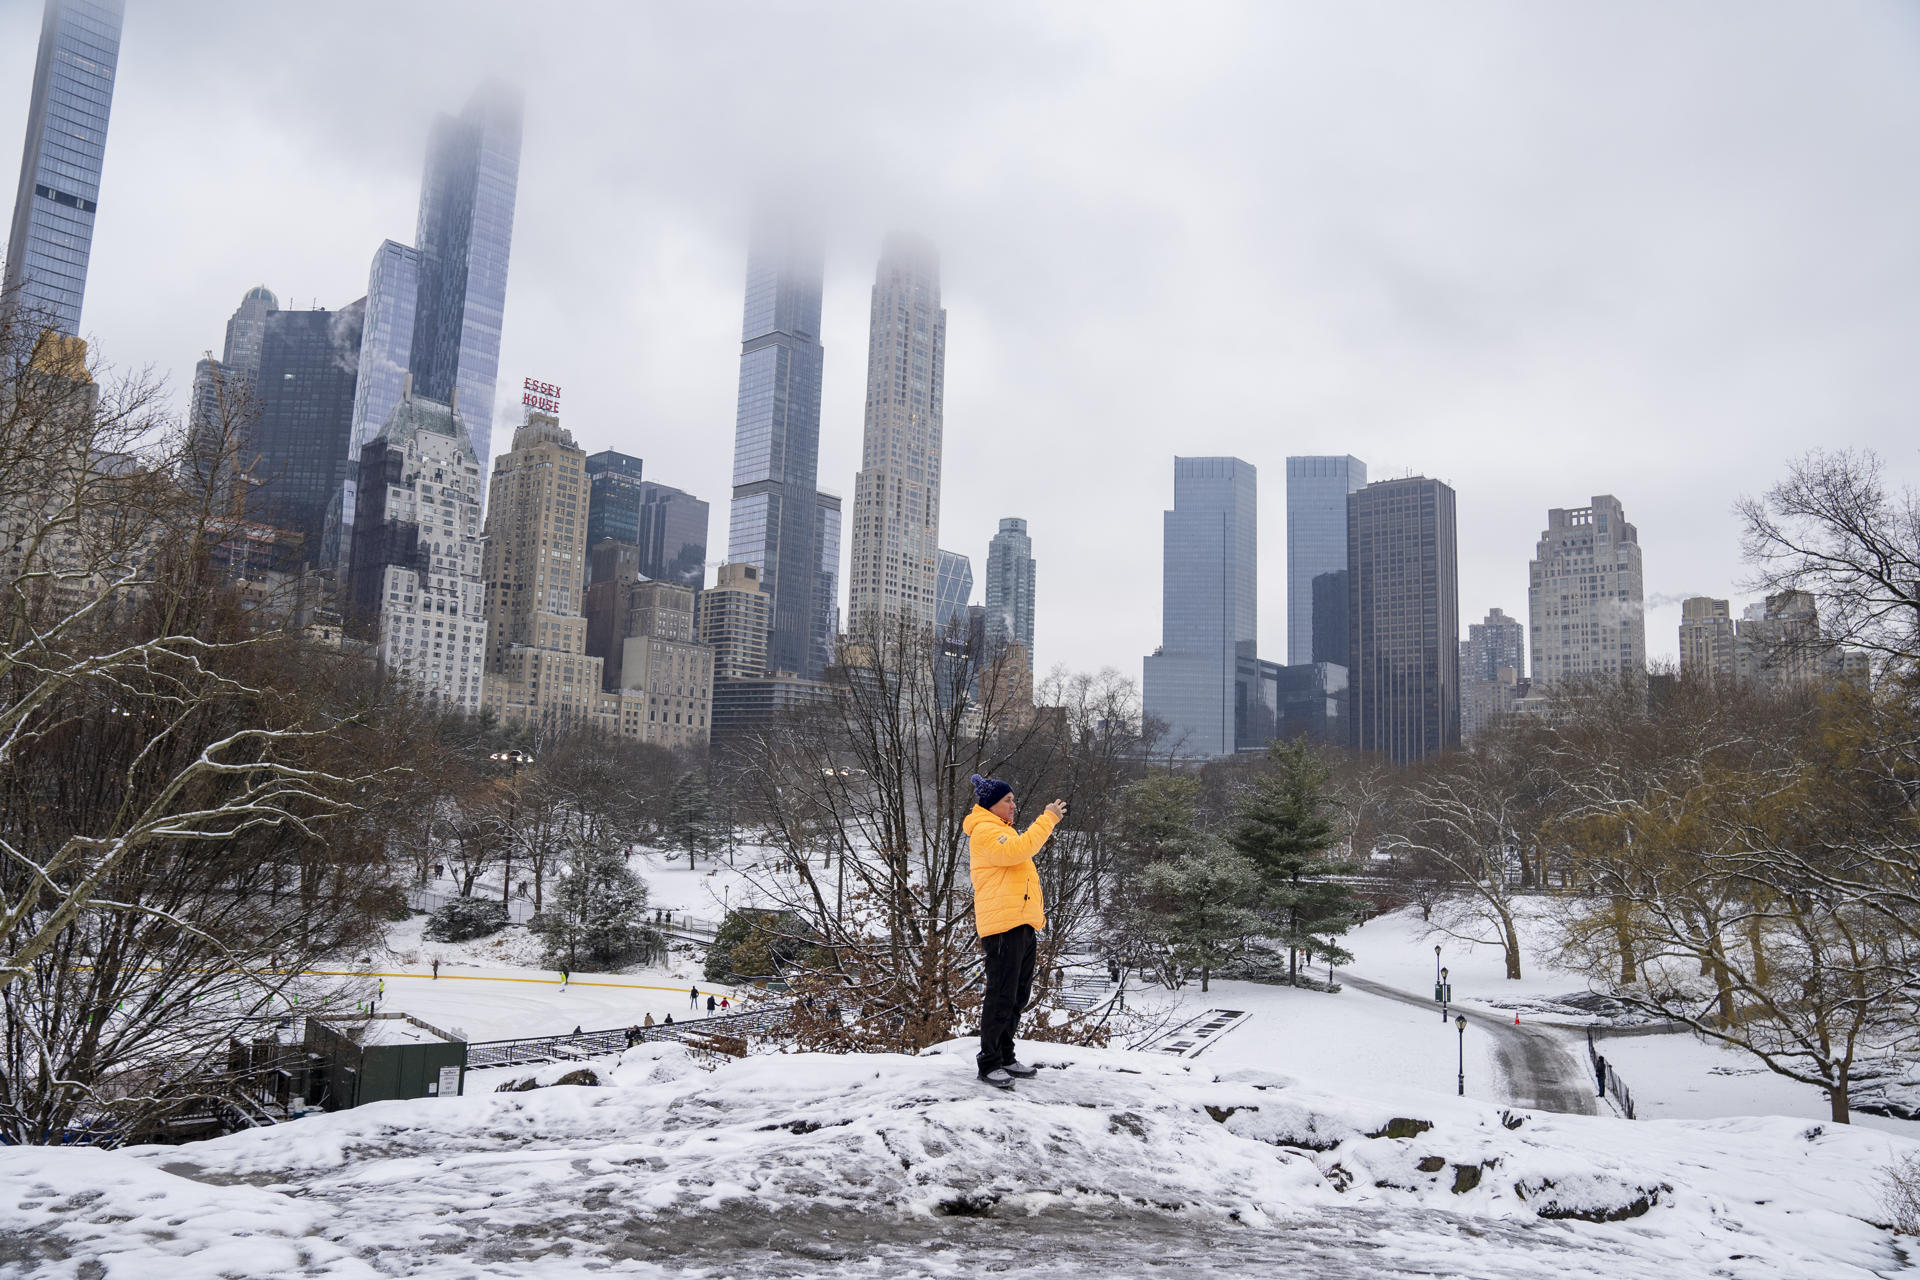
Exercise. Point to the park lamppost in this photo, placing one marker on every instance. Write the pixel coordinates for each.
(1436, 962)
(515, 761)
(1443, 992)
(1460, 1023)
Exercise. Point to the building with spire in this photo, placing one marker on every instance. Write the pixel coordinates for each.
(51, 239)
(776, 448)
(893, 565)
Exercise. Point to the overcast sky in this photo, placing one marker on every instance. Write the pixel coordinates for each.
(1538, 251)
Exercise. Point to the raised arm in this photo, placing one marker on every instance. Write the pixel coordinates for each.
(1011, 850)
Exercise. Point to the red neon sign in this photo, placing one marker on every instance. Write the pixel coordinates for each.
(544, 396)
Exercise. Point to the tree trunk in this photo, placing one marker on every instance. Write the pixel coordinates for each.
(1838, 1094)
(1203, 977)
(1510, 943)
(1623, 940)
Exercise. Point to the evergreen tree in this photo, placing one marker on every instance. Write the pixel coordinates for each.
(1201, 905)
(690, 820)
(1283, 827)
(596, 913)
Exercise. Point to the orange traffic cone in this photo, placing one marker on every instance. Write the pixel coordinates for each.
(1516, 1019)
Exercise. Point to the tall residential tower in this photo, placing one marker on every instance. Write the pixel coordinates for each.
(59, 194)
(1009, 590)
(893, 566)
(776, 443)
(1585, 595)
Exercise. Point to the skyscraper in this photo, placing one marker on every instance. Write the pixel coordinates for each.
(1208, 607)
(225, 401)
(464, 237)
(59, 194)
(1403, 619)
(386, 346)
(734, 617)
(673, 535)
(1493, 667)
(417, 589)
(613, 498)
(1707, 640)
(1009, 590)
(1585, 599)
(538, 669)
(776, 448)
(1317, 489)
(826, 579)
(953, 591)
(893, 564)
(294, 453)
(1330, 618)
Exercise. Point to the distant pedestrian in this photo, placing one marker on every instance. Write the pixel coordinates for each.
(693, 997)
(381, 992)
(723, 1004)
(436, 968)
(649, 1019)
(710, 1004)
(563, 977)
(576, 1028)
(669, 1021)
(633, 1034)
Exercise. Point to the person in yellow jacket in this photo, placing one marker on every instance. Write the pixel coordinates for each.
(1007, 911)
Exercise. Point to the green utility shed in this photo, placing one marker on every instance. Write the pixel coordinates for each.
(383, 1057)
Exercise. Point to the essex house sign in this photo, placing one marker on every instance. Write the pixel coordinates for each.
(544, 396)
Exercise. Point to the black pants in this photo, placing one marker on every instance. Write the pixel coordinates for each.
(1009, 986)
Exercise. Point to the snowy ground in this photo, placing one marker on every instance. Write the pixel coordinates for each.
(1675, 1075)
(1110, 1164)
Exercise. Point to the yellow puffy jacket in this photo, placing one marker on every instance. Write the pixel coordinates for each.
(1006, 888)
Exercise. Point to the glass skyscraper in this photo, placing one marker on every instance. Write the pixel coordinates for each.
(953, 591)
(613, 498)
(1317, 489)
(776, 443)
(1403, 619)
(464, 237)
(1195, 682)
(297, 445)
(826, 579)
(1009, 590)
(53, 211)
(673, 535)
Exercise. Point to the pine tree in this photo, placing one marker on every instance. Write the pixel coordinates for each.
(1283, 827)
(690, 816)
(1200, 905)
(596, 913)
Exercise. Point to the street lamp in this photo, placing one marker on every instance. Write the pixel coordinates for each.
(1443, 992)
(1461, 1023)
(1436, 962)
(515, 761)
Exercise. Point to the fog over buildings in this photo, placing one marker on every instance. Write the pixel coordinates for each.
(1534, 252)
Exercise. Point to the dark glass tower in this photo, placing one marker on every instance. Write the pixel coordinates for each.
(295, 454)
(464, 237)
(673, 535)
(826, 580)
(777, 438)
(53, 211)
(1196, 682)
(1009, 590)
(1403, 619)
(613, 498)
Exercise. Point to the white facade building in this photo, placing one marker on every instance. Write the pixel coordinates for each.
(1586, 596)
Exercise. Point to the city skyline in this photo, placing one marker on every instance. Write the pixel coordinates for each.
(1410, 345)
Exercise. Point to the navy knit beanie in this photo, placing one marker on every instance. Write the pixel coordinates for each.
(989, 791)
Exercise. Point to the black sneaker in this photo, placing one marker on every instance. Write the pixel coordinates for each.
(998, 1078)
(1020, 1070)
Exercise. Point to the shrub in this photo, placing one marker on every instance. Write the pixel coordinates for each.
(1902, 1195)
(465, 918)
(754, 944)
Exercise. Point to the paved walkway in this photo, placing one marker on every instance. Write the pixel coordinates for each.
(1540, 1070)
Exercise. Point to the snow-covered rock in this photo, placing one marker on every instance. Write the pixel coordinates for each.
(813, 1164)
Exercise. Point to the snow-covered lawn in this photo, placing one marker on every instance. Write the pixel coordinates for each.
(1109, 1164)
(1397, 949)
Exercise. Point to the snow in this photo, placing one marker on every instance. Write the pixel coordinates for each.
(1397, 949)
(391, 1028)
(1109, 1163)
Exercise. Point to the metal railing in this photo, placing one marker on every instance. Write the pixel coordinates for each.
(1608, 1081)
(599, 1044)
(519, 910)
